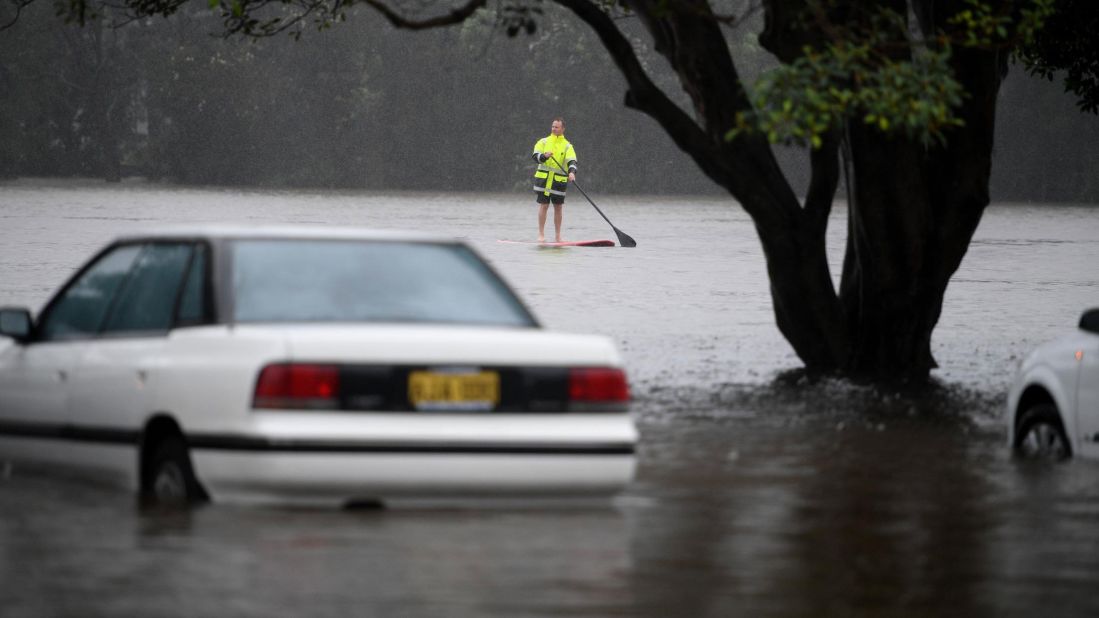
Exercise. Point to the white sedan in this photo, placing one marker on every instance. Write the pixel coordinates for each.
(1053, 405)
(316, 364)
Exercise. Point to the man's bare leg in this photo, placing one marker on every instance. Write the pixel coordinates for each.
(542, 210)
(557, 208)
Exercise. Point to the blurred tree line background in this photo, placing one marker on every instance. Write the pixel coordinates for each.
(365, 106)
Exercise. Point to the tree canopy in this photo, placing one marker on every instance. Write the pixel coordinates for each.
(1067, 44)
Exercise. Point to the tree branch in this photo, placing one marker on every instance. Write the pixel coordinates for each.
(824, 163)
(19, 6)
(455, 16)
(247, 24)
(645, 96)
(686, 34)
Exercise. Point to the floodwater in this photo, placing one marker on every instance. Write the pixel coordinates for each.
(754, 497)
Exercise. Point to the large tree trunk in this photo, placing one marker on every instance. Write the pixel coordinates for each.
(912, 214)
(912, 211)
(884, 290)
(807, 310)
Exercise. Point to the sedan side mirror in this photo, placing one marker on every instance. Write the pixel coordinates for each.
(15, 322)
(1090, 320)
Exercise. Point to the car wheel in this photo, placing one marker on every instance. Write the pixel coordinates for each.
(1041, 435)
(172, 482)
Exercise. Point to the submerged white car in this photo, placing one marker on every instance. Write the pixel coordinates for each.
(1053, 405)
(318, 364)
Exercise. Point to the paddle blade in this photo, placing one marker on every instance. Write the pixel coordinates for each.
(624, 239)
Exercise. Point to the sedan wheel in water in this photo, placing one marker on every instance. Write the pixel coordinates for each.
(172, 481)
(1041, 434)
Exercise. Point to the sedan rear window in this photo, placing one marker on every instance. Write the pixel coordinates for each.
(363, 281)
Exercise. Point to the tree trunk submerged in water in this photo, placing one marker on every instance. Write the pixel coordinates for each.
(807, 310)
(913, 213)
(883, 290)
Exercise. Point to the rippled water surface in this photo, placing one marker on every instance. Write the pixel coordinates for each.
(752, 498)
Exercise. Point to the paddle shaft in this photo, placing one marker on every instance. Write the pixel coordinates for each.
(577, 185)
(623, 238)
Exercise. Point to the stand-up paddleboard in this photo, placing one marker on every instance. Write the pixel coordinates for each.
(568, 243)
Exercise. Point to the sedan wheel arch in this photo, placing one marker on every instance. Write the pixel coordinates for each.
(165, 472)
(1040, 432)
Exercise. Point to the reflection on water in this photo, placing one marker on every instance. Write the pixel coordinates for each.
(753, 497)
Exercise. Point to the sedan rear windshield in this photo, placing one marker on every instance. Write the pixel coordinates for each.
(368, 281)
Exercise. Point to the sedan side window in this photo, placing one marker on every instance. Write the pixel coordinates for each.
(147, 300)
(79, 311)
(192, 303)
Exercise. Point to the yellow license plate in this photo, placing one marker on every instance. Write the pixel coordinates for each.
(439, 390)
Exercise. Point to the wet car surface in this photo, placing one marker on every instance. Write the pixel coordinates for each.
(1053, 405)
(309, 365)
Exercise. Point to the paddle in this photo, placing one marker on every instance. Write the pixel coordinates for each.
(624, 239)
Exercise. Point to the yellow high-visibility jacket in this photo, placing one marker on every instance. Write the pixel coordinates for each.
(550, 178)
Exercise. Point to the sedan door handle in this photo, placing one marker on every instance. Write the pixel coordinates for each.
(62, 375)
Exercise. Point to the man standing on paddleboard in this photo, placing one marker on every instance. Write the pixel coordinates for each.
(554, 155)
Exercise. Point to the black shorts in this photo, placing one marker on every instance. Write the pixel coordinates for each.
(542, 198)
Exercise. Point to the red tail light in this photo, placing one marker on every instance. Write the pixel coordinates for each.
(301, 386)
(598, 385)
